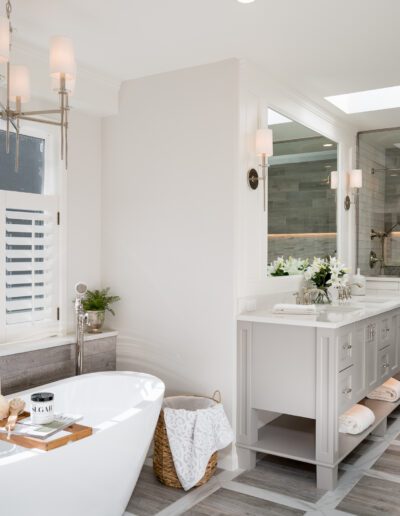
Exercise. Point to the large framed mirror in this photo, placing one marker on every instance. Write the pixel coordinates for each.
(302, 182)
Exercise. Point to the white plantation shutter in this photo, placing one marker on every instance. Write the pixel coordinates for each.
(29, 254)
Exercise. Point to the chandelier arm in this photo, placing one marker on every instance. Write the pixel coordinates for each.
(42, 112)
(32, 119)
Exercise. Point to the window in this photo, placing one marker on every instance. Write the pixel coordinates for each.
(29, 241)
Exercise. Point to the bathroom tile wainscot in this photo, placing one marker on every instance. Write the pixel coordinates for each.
(26, 365)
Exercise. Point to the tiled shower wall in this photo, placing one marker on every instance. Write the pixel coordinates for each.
(300, 200)
(372, 205)
(392, 212)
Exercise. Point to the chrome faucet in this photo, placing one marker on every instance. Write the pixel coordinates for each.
(81, 319)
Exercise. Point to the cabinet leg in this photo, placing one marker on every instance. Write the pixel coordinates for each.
(246, 458)
(380, 430)
(327, 477)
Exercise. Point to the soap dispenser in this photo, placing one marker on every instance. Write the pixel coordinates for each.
(358, 285)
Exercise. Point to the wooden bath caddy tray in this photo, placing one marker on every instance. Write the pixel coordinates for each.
(75, 433)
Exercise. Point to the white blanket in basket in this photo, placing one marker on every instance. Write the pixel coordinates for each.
(194, 435)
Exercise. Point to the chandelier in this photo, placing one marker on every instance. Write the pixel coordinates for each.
(63, 75)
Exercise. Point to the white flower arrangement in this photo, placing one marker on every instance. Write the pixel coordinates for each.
(325, 273)
(290, 267)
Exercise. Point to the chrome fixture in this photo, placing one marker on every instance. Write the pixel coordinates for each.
(63, 76)
(373, 259)
(81, 318)
(382, 236)
(264, 146)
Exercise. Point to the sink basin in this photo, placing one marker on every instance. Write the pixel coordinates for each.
(373, 300)
(340, 309)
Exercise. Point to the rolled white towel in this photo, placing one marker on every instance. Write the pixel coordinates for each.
(355, 420)
(293, 309)
(388, 391)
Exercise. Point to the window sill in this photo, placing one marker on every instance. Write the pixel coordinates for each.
(13, 348)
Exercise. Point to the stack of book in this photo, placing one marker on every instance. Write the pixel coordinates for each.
(27, 428)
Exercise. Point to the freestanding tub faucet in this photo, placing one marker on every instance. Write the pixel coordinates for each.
(81, 318)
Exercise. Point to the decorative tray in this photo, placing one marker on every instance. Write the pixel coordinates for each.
(74, 432)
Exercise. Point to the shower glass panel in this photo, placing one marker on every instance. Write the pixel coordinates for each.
(301, 194)
(378, 249)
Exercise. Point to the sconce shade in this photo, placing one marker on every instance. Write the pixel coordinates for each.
(19, 83)
(4, 39)
(334, 179)
(356, 178)
(264, 145)
(62, 58)
(70, 83)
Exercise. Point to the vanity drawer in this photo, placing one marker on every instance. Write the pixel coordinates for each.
(386, 358)
(345, 350)
(385, 332)
(350, 385)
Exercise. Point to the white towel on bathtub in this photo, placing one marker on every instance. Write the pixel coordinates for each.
(357, 419)
(194, 435)
(388, 391)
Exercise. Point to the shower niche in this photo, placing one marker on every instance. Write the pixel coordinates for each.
(378, 242)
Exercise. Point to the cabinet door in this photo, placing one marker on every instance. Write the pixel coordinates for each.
(345, 348)
(385, 362)
(396, 342)
(371, 355)
(350, 387)
(385, 331)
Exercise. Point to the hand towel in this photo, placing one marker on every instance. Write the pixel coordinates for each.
(194, 435)
(293, 309)
(357, 419)
(388, 391)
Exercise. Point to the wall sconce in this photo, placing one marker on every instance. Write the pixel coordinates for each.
(355, 183)
(264, 149)
(334, 180)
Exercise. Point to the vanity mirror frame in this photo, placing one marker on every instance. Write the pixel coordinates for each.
(345, 220)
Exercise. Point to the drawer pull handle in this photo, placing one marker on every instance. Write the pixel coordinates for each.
(347, 390)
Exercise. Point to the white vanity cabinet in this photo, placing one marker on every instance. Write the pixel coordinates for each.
(295, 380)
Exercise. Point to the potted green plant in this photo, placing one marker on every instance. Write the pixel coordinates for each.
(95, 304)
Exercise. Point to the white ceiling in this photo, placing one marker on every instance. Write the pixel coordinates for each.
(322, 47)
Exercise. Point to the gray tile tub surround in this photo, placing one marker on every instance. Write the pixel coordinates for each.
(30, 369)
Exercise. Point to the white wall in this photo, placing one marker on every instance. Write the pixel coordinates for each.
(83, 206)
(169, 160)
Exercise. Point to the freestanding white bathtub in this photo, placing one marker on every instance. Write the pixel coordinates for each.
(94, 476)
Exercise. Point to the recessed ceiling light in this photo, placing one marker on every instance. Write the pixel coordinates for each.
(245, 1)
(328, 145)
(370, 100)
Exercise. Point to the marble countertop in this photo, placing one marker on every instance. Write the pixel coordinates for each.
(328, 316)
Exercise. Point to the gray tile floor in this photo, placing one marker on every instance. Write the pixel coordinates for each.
(369, 485)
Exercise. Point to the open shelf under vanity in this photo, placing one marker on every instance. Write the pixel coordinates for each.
(294, 437)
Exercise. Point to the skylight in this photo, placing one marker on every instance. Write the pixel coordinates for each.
(275, 118)
(370, 100)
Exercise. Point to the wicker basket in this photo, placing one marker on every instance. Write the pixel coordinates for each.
(163, 463)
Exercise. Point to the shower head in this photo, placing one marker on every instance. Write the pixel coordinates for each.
(80, 289)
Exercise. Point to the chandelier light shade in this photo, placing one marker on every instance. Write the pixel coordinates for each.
(63, 75)
(69, 83)
(264, 142)
(62, 58)
(4, 39)
(19, 84)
